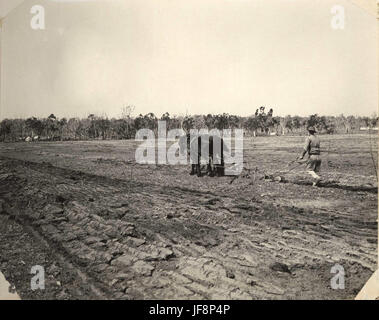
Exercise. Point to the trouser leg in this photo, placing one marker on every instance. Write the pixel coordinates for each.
(314, 174)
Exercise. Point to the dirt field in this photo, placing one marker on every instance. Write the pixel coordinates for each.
(103, 226)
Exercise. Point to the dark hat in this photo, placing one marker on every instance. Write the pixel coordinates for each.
(311, 129)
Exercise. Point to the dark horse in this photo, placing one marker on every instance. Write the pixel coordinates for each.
(204, 146)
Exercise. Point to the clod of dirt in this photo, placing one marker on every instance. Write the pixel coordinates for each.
(12, 289)
(212, 201)
(143, 268)
(74, 177)
(281, 267)
(54, 270)
(206, 242)
(252, 283)
(7, 176)
(60, 199)
(54, 210)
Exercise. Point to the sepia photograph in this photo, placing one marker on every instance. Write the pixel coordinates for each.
(205, 150)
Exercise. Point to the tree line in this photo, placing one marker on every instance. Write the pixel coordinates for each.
(126, 126)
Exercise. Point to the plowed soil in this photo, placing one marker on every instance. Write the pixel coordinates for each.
(103, 226)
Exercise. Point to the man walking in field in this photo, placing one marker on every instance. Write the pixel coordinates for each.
(312, 147)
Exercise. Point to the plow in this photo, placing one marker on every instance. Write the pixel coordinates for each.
(279, 175)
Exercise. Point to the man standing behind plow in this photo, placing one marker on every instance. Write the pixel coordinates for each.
(312, 147)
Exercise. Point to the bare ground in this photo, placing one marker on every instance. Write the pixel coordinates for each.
(105, 227)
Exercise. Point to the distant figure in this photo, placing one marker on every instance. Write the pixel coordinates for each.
(312, 147)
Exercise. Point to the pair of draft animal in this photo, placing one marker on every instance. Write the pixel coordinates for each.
(208, 147)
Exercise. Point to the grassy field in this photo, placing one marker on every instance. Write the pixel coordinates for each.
(104, 226)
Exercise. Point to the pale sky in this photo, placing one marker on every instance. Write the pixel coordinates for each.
(198, 56)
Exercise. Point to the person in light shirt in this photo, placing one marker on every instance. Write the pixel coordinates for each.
(312, 147)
